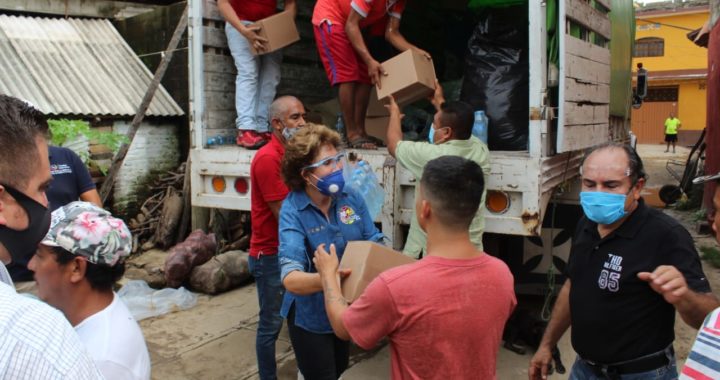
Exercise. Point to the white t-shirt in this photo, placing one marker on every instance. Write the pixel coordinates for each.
(114, 340)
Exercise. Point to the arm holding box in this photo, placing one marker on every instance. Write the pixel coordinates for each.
(394, 130)
(335, 304)
(291, 5)
(249, 32)
(352, 29)
(397, 40)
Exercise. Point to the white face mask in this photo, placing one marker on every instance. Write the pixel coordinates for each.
(289, 133)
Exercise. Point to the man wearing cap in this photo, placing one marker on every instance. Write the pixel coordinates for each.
(36, 340)
(703, 361)
(75, 267)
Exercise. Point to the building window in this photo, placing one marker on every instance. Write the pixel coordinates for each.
(662, 94)
(650, 47)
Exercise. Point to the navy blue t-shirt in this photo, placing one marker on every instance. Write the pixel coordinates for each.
(70, 179)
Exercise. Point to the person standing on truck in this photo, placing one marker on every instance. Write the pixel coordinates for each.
(287, 117)
(435, 333)
(672, 124)
(631, 267)
(71, 182)
(76, 266)
(319, 210)
(257, 76)
(703, 361)
(450, 135)
(347, 61)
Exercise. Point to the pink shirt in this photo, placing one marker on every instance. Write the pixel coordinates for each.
(338, 11)
(444, 317)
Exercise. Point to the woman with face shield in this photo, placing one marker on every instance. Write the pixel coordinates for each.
(319, 211)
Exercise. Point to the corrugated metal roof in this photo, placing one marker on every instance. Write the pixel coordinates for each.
(74, 66)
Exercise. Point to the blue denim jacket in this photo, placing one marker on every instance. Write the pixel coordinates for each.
(302, 228)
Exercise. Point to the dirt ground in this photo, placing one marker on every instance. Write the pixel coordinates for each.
(215, 339)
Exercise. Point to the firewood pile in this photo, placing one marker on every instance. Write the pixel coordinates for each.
(164, 217)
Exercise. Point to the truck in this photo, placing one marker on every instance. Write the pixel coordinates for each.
(577, 100)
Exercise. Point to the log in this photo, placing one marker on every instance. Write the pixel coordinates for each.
(170, 216)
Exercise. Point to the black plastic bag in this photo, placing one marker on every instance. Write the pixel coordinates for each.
(496, 75)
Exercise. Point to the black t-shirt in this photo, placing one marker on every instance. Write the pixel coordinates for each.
(70, 179)
(615, 315)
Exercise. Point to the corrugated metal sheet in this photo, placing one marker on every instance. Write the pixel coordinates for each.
(73, 66)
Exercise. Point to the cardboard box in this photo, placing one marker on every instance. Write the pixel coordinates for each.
(377, 127)
(279, 30)
(367, 260)
(410, 77)
(376, 108)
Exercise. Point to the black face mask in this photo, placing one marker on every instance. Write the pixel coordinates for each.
(23, 244)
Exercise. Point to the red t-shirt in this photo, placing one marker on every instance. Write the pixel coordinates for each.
(254, 10)
(337, 11)
(266, 185)
(450, 328)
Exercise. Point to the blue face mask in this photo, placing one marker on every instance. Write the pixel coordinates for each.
(603, 208)
(331, 184)
(431, 135)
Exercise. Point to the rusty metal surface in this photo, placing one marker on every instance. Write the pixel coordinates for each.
(75, 67)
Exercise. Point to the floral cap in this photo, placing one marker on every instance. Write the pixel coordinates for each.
(84, 229)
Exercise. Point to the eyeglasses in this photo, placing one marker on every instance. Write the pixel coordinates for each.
(332, 161)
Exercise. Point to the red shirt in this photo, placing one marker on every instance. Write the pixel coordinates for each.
(338, 11)
(266, 185)
(254, 10)
(450, 329)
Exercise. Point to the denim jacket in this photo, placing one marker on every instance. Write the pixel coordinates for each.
(302, 228)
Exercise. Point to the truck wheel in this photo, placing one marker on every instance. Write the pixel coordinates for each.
(669, 194)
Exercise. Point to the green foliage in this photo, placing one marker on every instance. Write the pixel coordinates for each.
(711, 255)
(699, 215)
(64, 130)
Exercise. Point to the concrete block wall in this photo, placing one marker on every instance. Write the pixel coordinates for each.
(154, 151)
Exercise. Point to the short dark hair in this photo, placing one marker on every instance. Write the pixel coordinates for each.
(20, 125)
(301, 151)
(454, 186)
(100, 277)
(460, 117)
(635, 165)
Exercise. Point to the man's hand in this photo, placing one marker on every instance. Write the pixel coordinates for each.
(375, 71)
(393, 108)
(667, 281)
(250, 32)
(540, 364)
(327, 263)
(438, 97)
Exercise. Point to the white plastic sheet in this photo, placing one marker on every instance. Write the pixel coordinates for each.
(145, 302)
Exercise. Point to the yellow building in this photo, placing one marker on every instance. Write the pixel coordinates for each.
(677, 70)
